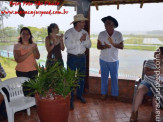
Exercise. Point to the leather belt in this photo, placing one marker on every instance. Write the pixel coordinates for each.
(78, 55)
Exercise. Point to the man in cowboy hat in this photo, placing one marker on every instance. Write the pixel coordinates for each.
(109, 41)
(76, 41)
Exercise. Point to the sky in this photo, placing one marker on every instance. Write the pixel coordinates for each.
(130, 17)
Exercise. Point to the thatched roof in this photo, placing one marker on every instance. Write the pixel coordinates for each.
(112, 2)
(95, 2)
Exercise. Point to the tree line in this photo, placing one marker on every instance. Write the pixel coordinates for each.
(11, 34)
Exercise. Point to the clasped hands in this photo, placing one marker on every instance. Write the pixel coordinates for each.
(57, 39)
(105, 45)
(83, 38)
(34, 48)
(110, 40)
(60, 37)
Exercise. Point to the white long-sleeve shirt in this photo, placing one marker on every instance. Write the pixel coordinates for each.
(73, 43)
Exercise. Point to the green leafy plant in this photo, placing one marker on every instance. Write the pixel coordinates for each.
(55, 80)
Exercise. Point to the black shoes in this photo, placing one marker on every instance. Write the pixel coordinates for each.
(82, 99)
(71, 105)
(103, 96)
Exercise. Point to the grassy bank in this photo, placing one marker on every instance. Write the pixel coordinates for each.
(9, 66)
(4, 43)
(134, 41)
(149, 48)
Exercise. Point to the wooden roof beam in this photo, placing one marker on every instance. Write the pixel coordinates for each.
(96, 5)
(142, 2)
(117, 5)
(37, 6)
(75, 8)
(61, 3)
(125, 2)
(11, 2)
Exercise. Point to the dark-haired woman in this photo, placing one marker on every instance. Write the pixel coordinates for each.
(25, 54)
(54, 45)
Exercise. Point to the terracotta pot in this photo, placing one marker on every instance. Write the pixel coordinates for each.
(56, 110)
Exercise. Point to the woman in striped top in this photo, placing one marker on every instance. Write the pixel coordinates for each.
(151, 72)
(2, 103)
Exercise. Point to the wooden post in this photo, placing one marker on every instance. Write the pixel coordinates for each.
(83, 7)
(87, 28)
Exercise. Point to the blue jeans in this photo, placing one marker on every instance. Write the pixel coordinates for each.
(79, 63)
(149, 93)
(112, 68)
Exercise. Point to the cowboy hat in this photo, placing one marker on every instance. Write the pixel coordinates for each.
(111, 19)
(79, 17)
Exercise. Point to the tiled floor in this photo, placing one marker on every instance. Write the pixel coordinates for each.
(95, 110)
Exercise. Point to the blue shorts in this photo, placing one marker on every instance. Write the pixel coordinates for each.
(149, 93)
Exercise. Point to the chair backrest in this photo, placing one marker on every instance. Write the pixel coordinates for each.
(14, 87)
(142, 77)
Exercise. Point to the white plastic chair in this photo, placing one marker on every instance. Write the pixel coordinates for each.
(17, 99)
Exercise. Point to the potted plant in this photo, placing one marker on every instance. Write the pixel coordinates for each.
(52, 89)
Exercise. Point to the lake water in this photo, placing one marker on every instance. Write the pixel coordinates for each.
(152, 41)
(130, 61)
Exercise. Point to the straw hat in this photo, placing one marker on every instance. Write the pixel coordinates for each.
(111, 19)
(79, 17)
